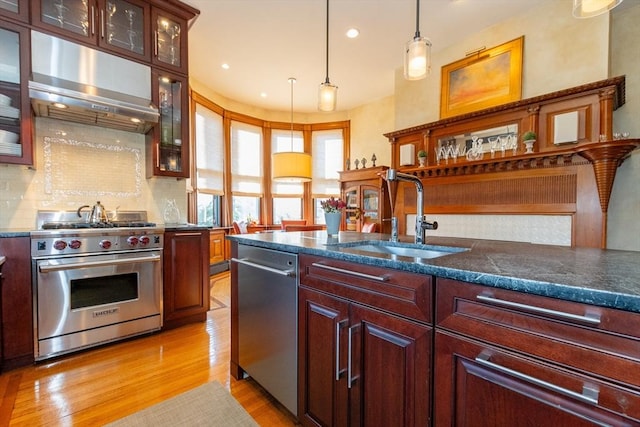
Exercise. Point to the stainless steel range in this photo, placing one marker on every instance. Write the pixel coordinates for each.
(94, 282)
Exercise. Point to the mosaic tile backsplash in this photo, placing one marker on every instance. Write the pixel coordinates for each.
(78, 165)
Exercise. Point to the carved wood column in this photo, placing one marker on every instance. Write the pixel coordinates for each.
(606, 112)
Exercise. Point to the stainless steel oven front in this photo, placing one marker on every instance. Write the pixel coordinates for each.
(86, 300)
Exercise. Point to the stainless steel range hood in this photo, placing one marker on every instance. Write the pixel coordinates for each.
(95, 87)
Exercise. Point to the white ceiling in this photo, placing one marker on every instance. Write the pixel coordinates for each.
(267, 41)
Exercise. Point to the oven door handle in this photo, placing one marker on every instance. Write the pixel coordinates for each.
(46, 268)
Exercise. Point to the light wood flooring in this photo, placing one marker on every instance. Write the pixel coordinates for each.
(103, 384)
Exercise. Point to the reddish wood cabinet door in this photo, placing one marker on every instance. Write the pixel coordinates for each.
(322, 389)
(186, 277)
(480, 385)
(17, 302)
(360, 366)
(388, 369)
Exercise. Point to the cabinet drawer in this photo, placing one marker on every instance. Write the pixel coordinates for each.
(483, 385)
(596, 340)
(398, 292)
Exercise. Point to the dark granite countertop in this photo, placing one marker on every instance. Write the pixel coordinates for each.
(607, 278)
(184, 226)
(14, 232)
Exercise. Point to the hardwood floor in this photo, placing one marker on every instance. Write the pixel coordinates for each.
(103, 384)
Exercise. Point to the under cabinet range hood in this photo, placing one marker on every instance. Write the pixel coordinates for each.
(78, 84)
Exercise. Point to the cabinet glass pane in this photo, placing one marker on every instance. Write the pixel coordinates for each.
(10, 93)
(168, 41)
(125, 25)
(370, 203)
(170, 125)
(10, 5)
(70, 15)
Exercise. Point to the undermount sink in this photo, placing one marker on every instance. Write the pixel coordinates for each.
(393, 250)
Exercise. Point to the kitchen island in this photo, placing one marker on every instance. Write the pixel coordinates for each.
(548, 332)
(606, 278)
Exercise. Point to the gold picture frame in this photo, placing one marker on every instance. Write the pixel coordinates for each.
(484, 79)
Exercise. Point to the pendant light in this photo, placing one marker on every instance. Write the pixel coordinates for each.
(328, 93)
(291, 166)
(417, 53)
(590, 8)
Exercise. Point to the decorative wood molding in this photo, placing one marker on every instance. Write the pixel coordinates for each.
(499, 181)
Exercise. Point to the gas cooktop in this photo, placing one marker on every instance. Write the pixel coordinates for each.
(83, 225)
(69, 220)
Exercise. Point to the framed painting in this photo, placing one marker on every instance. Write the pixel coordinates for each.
(486, 78)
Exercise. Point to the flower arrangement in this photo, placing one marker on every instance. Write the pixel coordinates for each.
(333, 205)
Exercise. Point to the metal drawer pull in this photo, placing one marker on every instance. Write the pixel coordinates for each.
(288, 273)
(338, 327)
(351, 378)
(589, 393)
(591, 318)
(46, 268)
(352, 273)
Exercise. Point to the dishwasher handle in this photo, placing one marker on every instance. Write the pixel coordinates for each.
(245, 261)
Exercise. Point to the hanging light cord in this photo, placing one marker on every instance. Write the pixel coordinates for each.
(292, 81)
(417, 36)
(327, 70)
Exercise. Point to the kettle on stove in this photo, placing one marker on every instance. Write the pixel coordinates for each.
(97, 215)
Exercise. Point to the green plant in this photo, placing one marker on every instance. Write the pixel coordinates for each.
(528, 136)
(422, 153)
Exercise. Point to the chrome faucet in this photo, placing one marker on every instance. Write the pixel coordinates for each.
(421, 224)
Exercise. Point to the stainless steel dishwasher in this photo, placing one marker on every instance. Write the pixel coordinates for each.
(267, 320)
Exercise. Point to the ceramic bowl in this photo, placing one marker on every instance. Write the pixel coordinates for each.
(8, 137)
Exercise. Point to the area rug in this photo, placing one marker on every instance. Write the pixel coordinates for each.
(207, 405)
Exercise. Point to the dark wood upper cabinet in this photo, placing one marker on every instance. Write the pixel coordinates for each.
(15, 9)
(16, 144)
(119, 26)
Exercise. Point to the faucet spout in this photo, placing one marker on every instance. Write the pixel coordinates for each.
(394, 175)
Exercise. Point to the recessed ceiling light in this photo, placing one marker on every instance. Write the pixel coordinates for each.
(352, 33)
(225, 66)
(59, 105)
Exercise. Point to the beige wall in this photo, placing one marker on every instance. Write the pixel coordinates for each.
(624, 207)
(554, 43)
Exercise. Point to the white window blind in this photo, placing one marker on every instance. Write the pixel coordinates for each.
(281, 141)
(246, 159)
(327, 160)
(209, 140)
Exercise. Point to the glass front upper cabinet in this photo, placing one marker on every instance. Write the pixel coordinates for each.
(117, 25)
(170, 41)
(170, 136)
(15, 138)
(17, 9)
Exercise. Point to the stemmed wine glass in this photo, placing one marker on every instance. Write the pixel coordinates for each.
(61, 8)
(174, 32)
(131, 32)
(111, 10)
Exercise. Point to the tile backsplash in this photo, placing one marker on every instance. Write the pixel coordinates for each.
(78, 165)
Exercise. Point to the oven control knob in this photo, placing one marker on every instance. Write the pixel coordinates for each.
(132, 240)
(105, 244)
(144, 240)
(59, 245)
(75, 244)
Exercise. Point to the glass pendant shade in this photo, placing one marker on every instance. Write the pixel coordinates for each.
(590, 8)
(291, 166)
(327, 96)
(417, 58)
